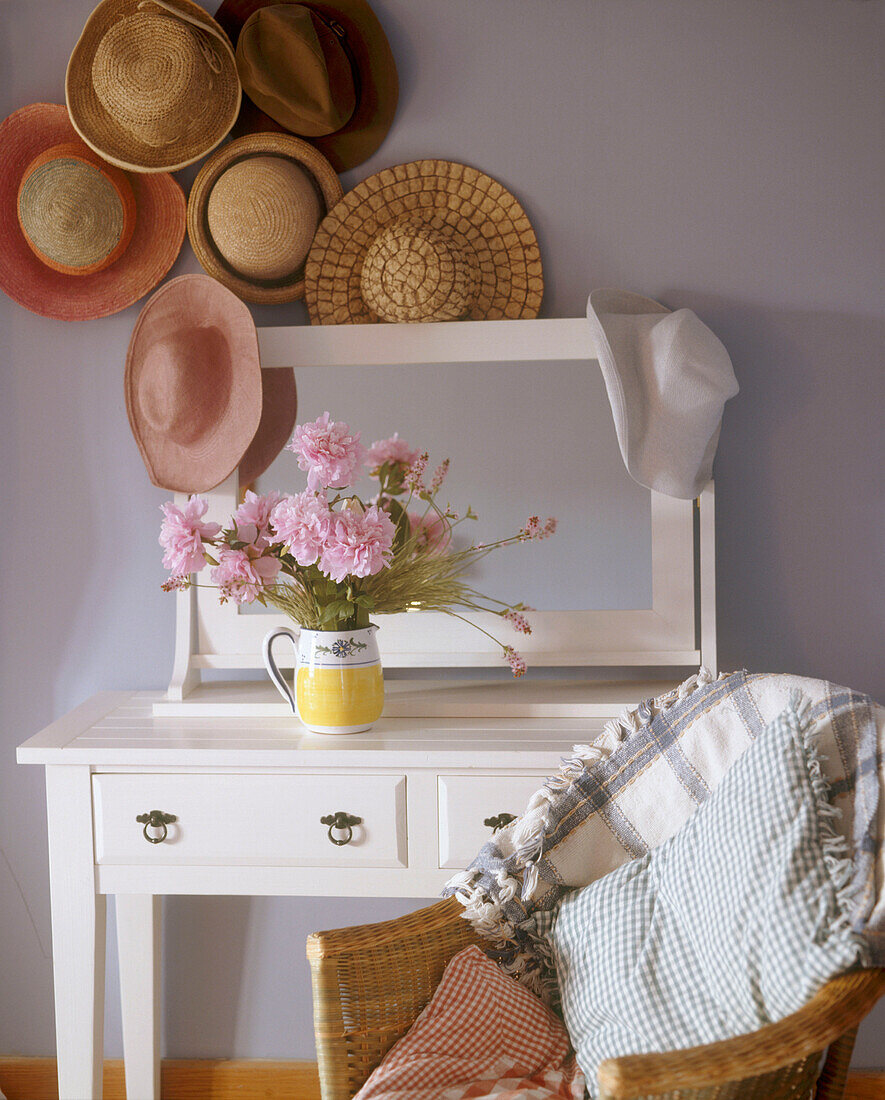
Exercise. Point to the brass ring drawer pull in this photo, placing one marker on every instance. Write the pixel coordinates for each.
(499, 821)
(156, 819)
(343, 823)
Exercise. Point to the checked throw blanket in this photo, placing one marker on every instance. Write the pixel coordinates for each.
(632, 789)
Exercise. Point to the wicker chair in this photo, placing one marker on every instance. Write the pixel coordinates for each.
(370, 982)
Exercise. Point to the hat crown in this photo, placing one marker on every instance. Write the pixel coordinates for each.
(416, 272)
(76, 214)
(262, 214)
(148, 69)
(294, 66)
(186, 383)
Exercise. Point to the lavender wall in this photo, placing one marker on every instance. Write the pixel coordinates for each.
(721, 156)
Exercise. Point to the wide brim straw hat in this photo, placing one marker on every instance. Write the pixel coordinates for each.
(668, 377)
(157, 228)
(152, 85)
(193, 384)
(426, 241)
(253, 211)
(375, 78)
(279, 410)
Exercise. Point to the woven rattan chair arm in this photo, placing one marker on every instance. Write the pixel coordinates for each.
(360, 938)
(837, 1008)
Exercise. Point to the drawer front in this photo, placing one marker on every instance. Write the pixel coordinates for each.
(270, 820)
(465, 801)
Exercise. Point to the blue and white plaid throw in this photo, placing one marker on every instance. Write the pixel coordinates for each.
(634, 787)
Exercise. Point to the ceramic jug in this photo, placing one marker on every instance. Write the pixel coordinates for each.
(339, 685)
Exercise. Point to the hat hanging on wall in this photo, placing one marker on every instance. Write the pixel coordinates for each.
(152, 85)
(322, 71)
(668, 377)
(253, 211)
(193, 383)
(426, 241)
(279, 409)
(79, 239)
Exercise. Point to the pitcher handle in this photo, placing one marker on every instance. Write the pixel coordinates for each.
(271, 665)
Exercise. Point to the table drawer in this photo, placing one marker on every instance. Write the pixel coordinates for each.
(270, 820)
(465, 801)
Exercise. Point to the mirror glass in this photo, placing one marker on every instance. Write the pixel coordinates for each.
(532, 438)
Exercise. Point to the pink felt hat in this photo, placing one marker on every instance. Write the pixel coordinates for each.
(28, 273)
(193, 383)
(279, 409)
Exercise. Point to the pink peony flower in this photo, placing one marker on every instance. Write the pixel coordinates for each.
(252, 518)
(302, 523)
(182, 533)
(515, 660)
(328, 451)
(431, 531)
(241, 574)
(390, 451)
(359, 543)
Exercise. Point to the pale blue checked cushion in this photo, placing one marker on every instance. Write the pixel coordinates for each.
(734, 922)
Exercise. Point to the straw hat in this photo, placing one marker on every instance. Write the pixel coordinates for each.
(78, 238)
(193, 383)
(253, 211)
(667, 377)
(322, 71)
(425, 241)
(152, 85)
(279, 409)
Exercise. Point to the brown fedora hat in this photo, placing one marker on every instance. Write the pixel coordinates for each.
(79, 239)
(253, 211)
(193, 383)
(152, 85)
(426, 241)
(323, 71)
(279, 410)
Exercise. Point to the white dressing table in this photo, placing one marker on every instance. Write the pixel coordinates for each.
(216, 789)
(247, 795)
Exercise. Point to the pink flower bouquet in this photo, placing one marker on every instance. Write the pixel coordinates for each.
(327, 558)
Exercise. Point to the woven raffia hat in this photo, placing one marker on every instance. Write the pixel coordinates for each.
(322, 71)
(193, 383)
(668, 377)
(79, 239)
(279, 409)
(152, 85)
(426, 241)
(253, 211)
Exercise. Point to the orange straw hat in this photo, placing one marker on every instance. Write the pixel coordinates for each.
(152, 85)
(193, 383)
(253, 211)
(79, 239)
(426, 241)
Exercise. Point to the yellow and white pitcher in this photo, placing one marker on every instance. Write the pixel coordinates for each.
(339, 685)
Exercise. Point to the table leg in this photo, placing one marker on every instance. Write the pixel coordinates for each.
(78, 934)
(139, 951)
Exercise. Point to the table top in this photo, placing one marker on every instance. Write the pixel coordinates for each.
(120, 729)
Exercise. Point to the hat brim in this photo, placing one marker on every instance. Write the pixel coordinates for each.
(104, 133)
(483, 218)
(155, 244)
(279, 410)
(326, 182)
(367, 128)
(204, 303)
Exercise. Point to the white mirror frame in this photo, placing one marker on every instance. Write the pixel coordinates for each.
(678, 630)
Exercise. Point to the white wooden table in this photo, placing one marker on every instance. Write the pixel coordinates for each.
(247, 794)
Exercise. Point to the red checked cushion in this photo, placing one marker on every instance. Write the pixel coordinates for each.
(483, 1035)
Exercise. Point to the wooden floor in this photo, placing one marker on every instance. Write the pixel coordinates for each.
(34, 1079)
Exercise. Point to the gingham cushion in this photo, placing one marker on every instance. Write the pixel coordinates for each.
(733, 923)
(482, 1035)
